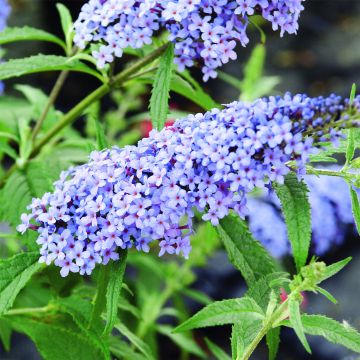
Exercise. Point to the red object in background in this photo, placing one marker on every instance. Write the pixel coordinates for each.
(284, 296)
(146, 127)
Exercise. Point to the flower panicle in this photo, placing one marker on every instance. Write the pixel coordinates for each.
(131, 197)
(204, 31)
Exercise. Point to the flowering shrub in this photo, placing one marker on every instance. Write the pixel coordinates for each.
(203, 31)
(91, 202)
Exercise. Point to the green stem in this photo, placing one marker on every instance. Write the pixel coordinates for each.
(52, 98)
(100, 92)
(277, 316)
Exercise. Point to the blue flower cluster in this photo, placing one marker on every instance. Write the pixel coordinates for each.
(4, 14)
(130, 197)
(204, 31)
(330, 212)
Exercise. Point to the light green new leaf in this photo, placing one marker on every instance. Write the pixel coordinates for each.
(293, 195)
(56, 342)
(219, 353)
(295, 320)
(15, 272)
(122, 350)
(66, 24)
(26, 33)
(223, 312)
(332, 330)
(41, 63)
(117, 271)
(355, 207)
(333, 269)
(159, 102)
(244, 252)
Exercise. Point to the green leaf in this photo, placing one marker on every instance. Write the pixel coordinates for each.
(244, 252)
(332, 330)
(273, 341)
(219, 353)
(293, 195)
(5, 334)
(80, 310)
(159, 102)
(326, 294)
(26, 33)
(41, 63)
(184, 84)
(100, 135)
(355, 207)
(117, 270)
(181, 340)
(66, 24)
(333, 269)
(122, 350)
(137, 342)
(15, 272)
(352, 94)
(243, 333)
(295, 320)
(23, 185)
(253, 71)
(223, 312)
(56, 342)
(198, 296)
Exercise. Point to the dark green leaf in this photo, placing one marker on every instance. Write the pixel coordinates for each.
(117, 271)
(159, 102)
(244, 252)
(40, 63)
(293, 195)
(295, 320)
(56, 342)
(350, 149)
(219, 353)
(273, 341)
(355, 207)
(15, 272)
(223, 312)
(26, 33)
(332, 330)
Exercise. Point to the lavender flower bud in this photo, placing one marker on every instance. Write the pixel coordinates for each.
(204, 31)
(130, 197)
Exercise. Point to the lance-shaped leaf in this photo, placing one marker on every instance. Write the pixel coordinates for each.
(244, 252)
(295, 321)
(159, 102)
(355, 208)
(293, 195)
(15, 272)
(26, 33)
(223, 312)
(40, 63)
(332, 330)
